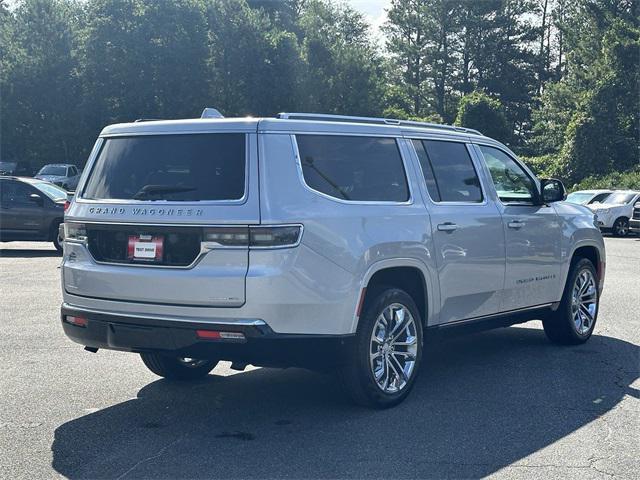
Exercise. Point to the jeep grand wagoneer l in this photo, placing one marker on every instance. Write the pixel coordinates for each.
(318, 241)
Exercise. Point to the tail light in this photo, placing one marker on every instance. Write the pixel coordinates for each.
(75, 232)
(66, 205)
(272, 236)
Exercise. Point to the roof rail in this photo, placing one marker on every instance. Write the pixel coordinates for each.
(374, 120)
(138, 120)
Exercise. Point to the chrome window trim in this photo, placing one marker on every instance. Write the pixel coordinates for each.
(424, 182)
(296, 153)
(79, 198)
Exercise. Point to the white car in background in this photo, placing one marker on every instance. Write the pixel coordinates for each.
(587, 197)
(613, 214)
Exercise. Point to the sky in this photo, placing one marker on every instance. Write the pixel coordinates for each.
(373, 11)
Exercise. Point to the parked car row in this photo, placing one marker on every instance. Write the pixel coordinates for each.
(65, 175)
(614, 208)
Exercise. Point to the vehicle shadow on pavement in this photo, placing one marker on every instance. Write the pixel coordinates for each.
(22, 253)
(483, 402)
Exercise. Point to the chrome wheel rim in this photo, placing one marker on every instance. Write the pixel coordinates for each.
(393, 348)
(584, 302)
(191, 362)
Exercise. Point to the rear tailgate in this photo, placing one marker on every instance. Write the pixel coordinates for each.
(142, 220)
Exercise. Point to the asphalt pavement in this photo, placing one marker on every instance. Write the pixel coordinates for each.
(503, 404)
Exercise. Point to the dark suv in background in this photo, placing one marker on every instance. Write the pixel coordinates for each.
(31, 209)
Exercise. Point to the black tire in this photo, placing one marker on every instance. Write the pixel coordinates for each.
(55, 235)
(175, 368)
(357, 375)
(620, 227)
(559, 326)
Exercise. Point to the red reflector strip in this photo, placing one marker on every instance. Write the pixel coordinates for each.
(77, 321)
(208, 334)
(215, 335)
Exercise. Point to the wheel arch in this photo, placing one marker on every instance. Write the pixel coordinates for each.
(592, 252)
(408, 274)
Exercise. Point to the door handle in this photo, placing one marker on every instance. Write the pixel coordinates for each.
(447, 227)
(516, 224)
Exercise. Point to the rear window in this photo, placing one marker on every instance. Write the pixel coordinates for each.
(170, 167)
(353, 168)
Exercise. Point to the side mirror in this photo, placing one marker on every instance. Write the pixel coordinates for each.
(552, 190)
(37, 199)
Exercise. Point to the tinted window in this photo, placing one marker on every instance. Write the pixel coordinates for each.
(599, 198)
(454, 178)
(16, 193)
(353, 168)
(512, 183)
(170, 167)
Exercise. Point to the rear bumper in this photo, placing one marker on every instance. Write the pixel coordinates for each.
(261, 345)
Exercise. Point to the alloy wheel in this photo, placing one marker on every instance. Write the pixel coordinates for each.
(393, 348)
(584, 302)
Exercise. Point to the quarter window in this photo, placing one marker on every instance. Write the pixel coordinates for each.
(448, 171)
(512, 183)
(353, 168)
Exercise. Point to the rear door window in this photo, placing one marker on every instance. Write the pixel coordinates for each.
(189, 167)
(354, 168)
(448, 171)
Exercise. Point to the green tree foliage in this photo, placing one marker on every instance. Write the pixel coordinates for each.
(69, 68)
(343, 70)
(555, 79)
(590, 117)
(40, 84)
(444, 49)
(478, 110)
(144, 59)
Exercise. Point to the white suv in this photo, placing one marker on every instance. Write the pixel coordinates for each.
(614, 213)
(319, 241)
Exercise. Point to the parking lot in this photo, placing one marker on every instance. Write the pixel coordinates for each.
(504, 403)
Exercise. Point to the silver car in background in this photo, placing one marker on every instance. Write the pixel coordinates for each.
(319, 241)
(64, 175)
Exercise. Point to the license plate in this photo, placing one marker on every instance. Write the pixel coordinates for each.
(147, 248)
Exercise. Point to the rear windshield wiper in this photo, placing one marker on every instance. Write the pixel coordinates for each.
(158, 190)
